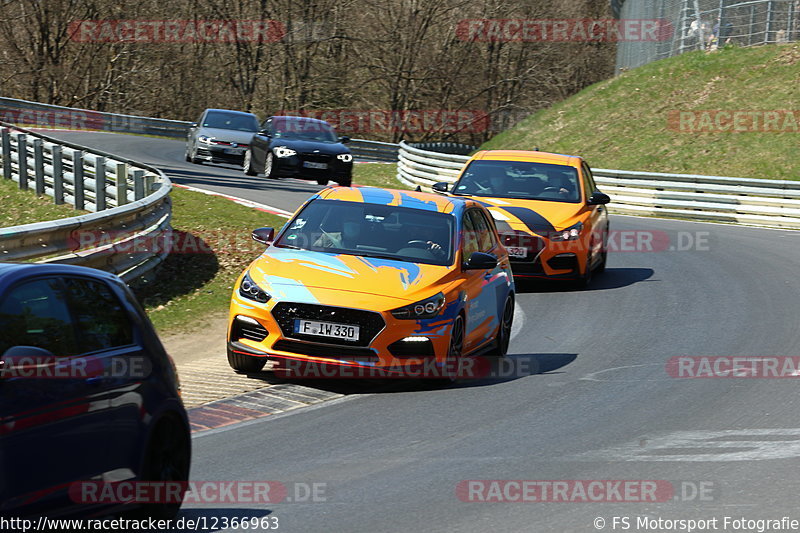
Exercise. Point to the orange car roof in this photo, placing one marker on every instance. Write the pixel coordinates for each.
(377, 195)
(527, 155)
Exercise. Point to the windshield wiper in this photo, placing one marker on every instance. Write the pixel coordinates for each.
(383, 256)
(291, 246)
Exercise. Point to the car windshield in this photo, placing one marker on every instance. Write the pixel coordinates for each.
(520, 179)
(371, 230)
(230, 121)
(304, 130)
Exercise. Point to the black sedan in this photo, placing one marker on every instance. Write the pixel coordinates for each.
(87, 396)
(299, 147)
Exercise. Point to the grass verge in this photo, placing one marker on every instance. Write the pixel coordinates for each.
(629, 123)
(25, 207)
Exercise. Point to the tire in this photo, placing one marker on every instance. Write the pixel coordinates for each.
(452, 369)
(186, 154)
(504, 331)
(245, 364)
(322, 181)
(345, 182)
(269, 169)
(585, 280)
(601, 267)
(248, 164)
(193, 157)
(168, 458)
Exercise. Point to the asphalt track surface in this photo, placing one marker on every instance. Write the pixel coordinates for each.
(588, 397)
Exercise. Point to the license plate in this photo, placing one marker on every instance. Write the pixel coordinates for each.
(312, 164)
(326, 329)
(517, 251)
(234, 151)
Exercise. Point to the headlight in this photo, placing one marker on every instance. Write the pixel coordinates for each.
(572, 233)
(282, 151)
(248, 289)
(428, 308)
(345, 158)
(205, 139)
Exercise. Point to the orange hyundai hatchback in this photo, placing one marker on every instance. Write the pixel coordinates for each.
(549, 213)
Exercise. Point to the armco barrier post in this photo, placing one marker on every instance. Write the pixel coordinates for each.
(122, 184)
(100, 183)
(77, 173)
(138, 184)
(38, 166)
(22, 160)
(58, 175)
(6, 152)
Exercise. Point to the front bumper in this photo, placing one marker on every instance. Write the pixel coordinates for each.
(548, 259)
(297, 166)
(220, 154)
(385, 344)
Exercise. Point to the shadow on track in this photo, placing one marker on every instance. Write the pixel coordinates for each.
(478, 371)
(612, 278)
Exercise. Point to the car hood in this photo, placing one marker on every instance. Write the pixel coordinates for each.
(234, 136)
(337, 279)
(311, 146)
(538, 216)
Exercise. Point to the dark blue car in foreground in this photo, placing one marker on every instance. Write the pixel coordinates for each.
(87, 393)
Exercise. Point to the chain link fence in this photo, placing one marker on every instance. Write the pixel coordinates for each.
(707, 25)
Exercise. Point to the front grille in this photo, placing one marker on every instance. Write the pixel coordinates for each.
(316, 158)
(246, 330)
(364, 355)
(563, 262)
(404, 348)
(369, 322)
(526, 267)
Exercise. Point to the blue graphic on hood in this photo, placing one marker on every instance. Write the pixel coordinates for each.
(409, 272)
(416, 203)
(321, 261)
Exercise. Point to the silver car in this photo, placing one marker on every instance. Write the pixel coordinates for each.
(220, 136)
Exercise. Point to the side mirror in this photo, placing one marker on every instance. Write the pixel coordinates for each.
(263, 235)
(440, 187)
(480, 261)
(264, 133)
(598, 198)
(344, 139)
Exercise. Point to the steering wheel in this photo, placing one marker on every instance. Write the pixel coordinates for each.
(336, 242)
(417, 243)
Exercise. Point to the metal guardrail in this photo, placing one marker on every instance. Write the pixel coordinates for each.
(38, 115)
(772, 203)
(130, 208)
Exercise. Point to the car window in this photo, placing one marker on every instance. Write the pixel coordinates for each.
(35, 313)
(588, 180)
(470, 241)
(372, 230)
(230, 121)
(483, 229)
(526, 180)
(100, 318)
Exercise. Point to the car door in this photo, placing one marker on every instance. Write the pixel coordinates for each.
(486, 289)
(51, 432)
(260, 143)
(110, 342)
(598, 216)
